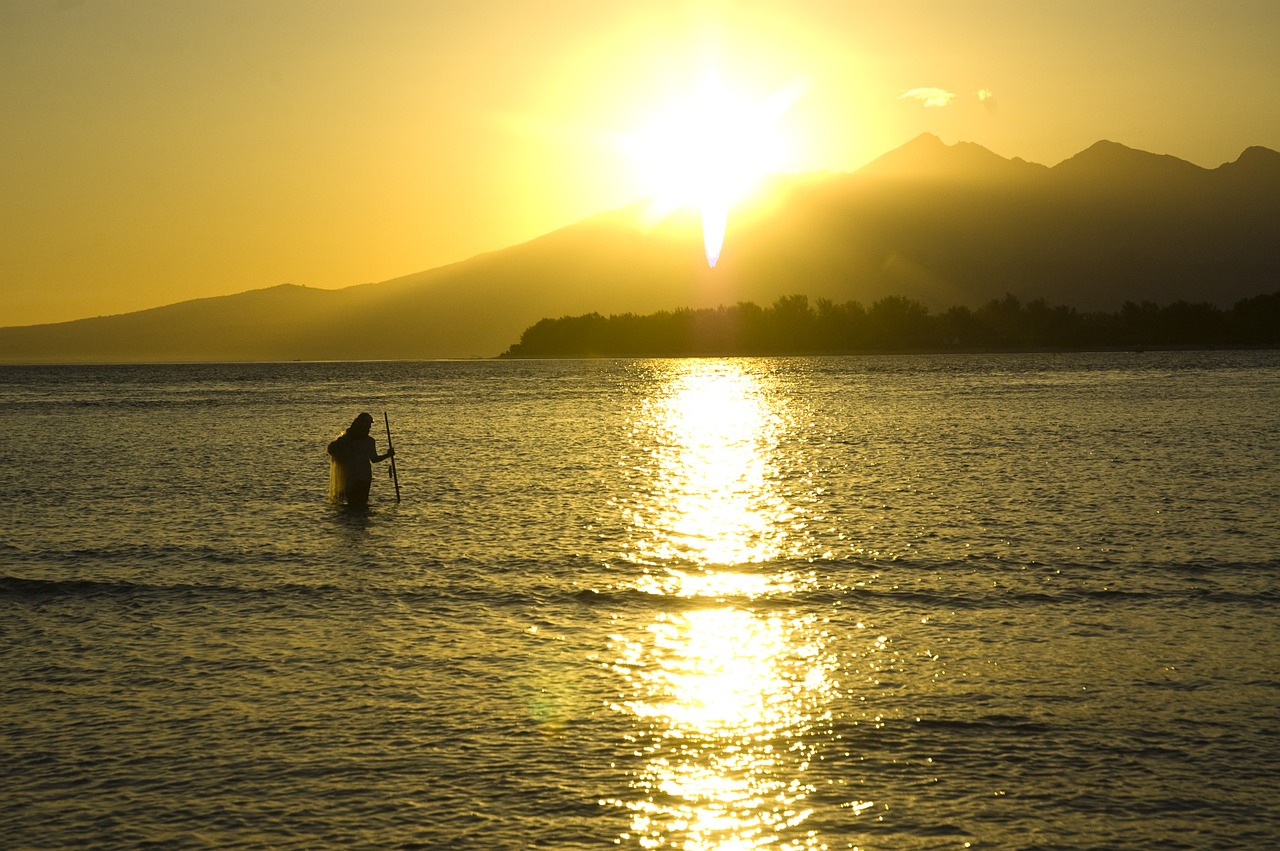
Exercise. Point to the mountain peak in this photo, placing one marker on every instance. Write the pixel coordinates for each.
(1255, 160)
(1258, 153)
(930, 141)
(928, 157)
(1112, 161)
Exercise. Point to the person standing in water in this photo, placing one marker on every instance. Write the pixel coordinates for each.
(351, 459)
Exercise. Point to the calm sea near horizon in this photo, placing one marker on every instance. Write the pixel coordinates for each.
(899, 602)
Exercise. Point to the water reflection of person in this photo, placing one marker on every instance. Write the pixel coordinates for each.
(351, 458)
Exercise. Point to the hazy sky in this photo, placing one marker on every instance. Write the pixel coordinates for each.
(157, 150)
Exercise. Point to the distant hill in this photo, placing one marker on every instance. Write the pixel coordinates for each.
(942, 224)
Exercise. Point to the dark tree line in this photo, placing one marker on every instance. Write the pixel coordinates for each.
(794, 326)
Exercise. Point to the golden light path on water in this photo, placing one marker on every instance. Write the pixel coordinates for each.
(711, 438)
(727, 698)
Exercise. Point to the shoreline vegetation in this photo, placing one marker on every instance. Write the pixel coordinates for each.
(794, 326)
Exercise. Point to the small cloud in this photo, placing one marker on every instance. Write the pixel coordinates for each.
(929, 96)
(984, 94)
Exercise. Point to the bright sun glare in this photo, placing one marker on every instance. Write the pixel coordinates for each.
(711, 149)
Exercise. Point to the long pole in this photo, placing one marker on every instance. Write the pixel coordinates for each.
(395, 478)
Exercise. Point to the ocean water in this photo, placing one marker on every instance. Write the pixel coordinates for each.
(1004, 601)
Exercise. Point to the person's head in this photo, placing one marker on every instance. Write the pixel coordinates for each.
(360, 425)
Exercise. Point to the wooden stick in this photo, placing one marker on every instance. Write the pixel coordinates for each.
(394, 477)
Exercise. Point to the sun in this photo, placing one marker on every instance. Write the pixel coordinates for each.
(710, 150)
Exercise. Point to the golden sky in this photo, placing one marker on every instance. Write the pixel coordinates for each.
(153, 151)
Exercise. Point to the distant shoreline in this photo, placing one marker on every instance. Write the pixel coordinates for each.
(793, 326)
(1258, 347)
(708, 355)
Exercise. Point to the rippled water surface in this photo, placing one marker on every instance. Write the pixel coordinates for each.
(1005, 601)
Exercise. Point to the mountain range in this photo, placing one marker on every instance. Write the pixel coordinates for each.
(943, 224)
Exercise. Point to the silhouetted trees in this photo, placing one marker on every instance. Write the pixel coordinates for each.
(791, 325)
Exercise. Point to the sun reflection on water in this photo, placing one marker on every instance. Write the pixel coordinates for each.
(709, 495)
(727, 700)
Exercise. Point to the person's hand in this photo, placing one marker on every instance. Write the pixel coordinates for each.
(391, 453)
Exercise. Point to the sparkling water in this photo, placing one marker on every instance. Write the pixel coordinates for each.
(1004, 601)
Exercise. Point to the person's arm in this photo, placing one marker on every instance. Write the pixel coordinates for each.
(373, 452)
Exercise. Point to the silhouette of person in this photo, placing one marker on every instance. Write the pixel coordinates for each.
(351, 458)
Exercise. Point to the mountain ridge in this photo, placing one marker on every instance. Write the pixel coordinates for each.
(945, 224)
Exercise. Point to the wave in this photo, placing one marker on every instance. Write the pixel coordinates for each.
(39, 590)
(950, 586)
(136, 571)
(148, 553)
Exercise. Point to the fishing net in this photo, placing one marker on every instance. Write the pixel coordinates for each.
(337, 478)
